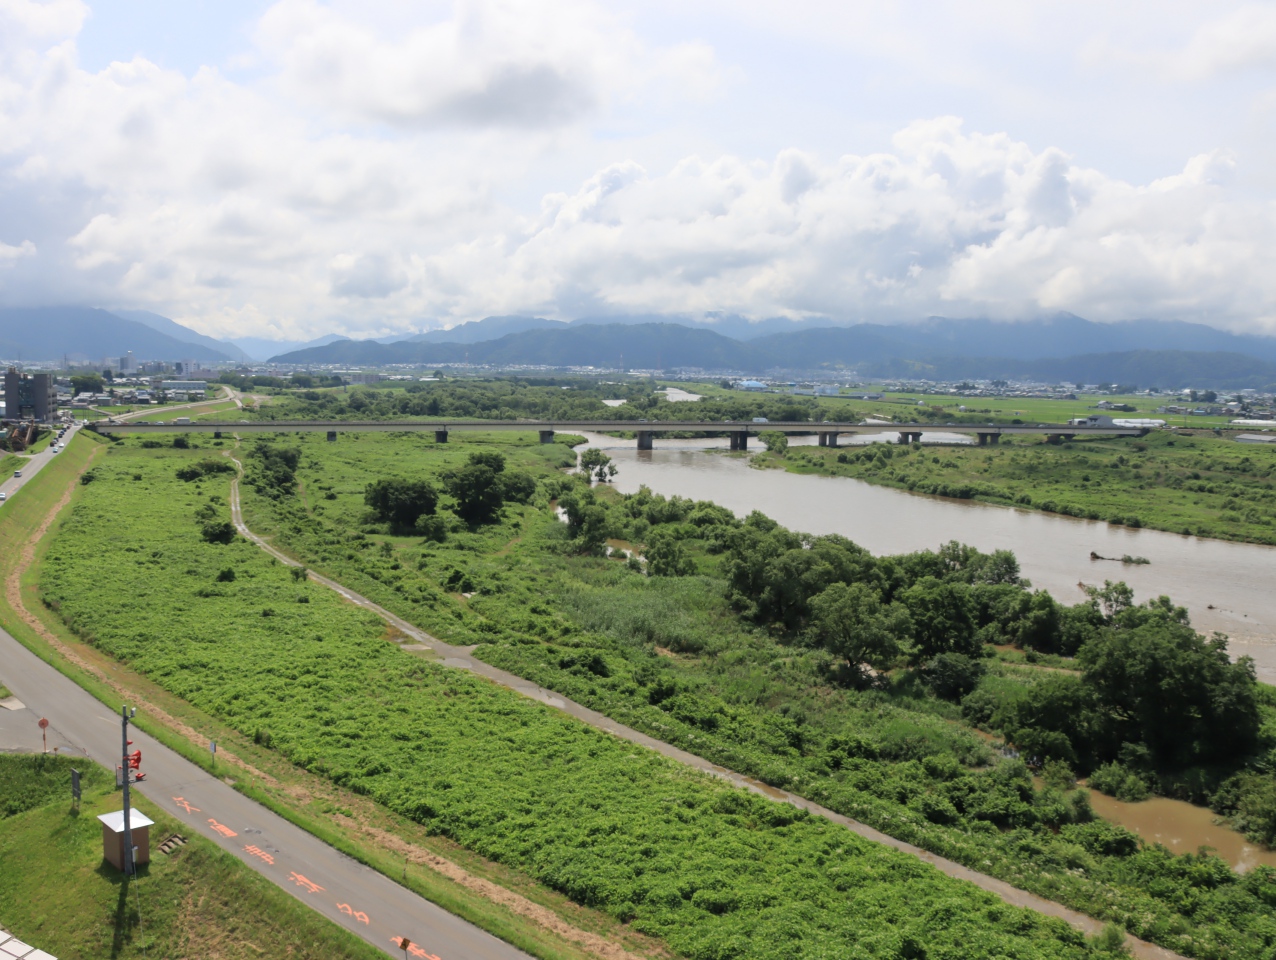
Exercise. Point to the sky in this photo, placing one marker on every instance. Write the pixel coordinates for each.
(296, 168)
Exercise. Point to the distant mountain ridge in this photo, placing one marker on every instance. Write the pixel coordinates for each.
(1163, 352)
(89, 335)
(181, 332)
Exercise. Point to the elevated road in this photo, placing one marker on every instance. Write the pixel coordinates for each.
(739, 431)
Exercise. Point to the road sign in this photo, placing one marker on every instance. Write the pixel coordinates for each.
(75, 784)
(44, 724)
(44, 735)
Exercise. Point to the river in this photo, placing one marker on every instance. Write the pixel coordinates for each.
(1224, 585)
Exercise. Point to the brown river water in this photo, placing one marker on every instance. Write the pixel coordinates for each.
(1226, 586)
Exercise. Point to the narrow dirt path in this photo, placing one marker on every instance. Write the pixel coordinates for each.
(462, 658)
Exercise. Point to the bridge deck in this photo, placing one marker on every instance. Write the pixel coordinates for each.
(570, 426)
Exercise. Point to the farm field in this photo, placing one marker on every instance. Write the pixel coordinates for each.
(706, 868)
(1196, 484)
(668, 655)
(57, 893)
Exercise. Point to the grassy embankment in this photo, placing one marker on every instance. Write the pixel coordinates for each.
(710, 870)
(505, 901)
(1193, 485)
(58, 893)
(731, 693)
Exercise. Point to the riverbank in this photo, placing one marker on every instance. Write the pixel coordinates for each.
(1191, 484)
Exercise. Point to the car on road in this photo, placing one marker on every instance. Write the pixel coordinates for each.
(17, 473)
(3, 496)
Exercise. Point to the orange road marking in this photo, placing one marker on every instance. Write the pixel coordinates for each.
(221, 828)
(350, 911)
(412, 948)
(260, 853)
(301, 881)
(181, 802)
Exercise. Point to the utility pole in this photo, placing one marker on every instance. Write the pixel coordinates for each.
(125, 714)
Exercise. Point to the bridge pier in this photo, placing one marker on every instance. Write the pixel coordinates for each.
(644, 439)
(739, 439)
(547, 436)
(332, 436)
(828, 438)
(987, 438)
(910, 437)
(1054, 438)
(440, 436)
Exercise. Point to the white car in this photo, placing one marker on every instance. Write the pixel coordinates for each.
(3, 495)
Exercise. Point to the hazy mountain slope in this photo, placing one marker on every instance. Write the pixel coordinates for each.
(90, 335)
(259, 348)
(180, 332)
(1163, 369)
(639, 345)
(489, 328)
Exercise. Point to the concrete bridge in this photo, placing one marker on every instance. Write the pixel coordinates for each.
(738, 431)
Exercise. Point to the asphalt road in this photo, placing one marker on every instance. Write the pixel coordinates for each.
(352, 895)
(31, 465)
(357, 897)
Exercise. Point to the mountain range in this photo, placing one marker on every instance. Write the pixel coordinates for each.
(1061, 347)
(1064, 347)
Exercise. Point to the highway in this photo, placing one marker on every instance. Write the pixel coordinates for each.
(751, 428)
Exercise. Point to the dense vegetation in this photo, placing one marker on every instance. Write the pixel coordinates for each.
(56, 893)
(1189, 484)
(746, 664)
(712, 870)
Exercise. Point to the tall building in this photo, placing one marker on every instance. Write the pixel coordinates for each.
(31, 396)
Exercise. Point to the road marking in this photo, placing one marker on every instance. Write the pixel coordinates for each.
(221, 828)
(301, 881)
(412, 948)
(350, 911)
(181, 802)
(261, 854)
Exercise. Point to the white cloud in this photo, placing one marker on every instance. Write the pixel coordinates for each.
(379, 170)
(9, 252)
(522, 63)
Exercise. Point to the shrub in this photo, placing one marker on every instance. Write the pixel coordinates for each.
(222, 531)
(952, 676)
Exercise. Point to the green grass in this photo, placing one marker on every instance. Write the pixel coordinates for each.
(710, 870)
(58, 893)
(743, 699)
(1190, 484)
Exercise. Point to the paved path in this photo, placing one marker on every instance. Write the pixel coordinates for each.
(32, 464)
(462, 658)
(357, 897)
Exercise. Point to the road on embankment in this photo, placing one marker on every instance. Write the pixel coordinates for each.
(32, 464)
(357, 897)
(352, 895)
(462, 658)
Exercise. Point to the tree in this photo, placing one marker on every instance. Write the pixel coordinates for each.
(586, 519)
(774, 441)
(851, 622)
(218, 531)
(1164, 685)
(665, 556)
(86, 383)
(597, 465)
(478, 487)
(943, 617)
(401, 502)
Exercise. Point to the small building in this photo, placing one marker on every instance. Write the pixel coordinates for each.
(755, 385)
(1256, 438)
(113, 837)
